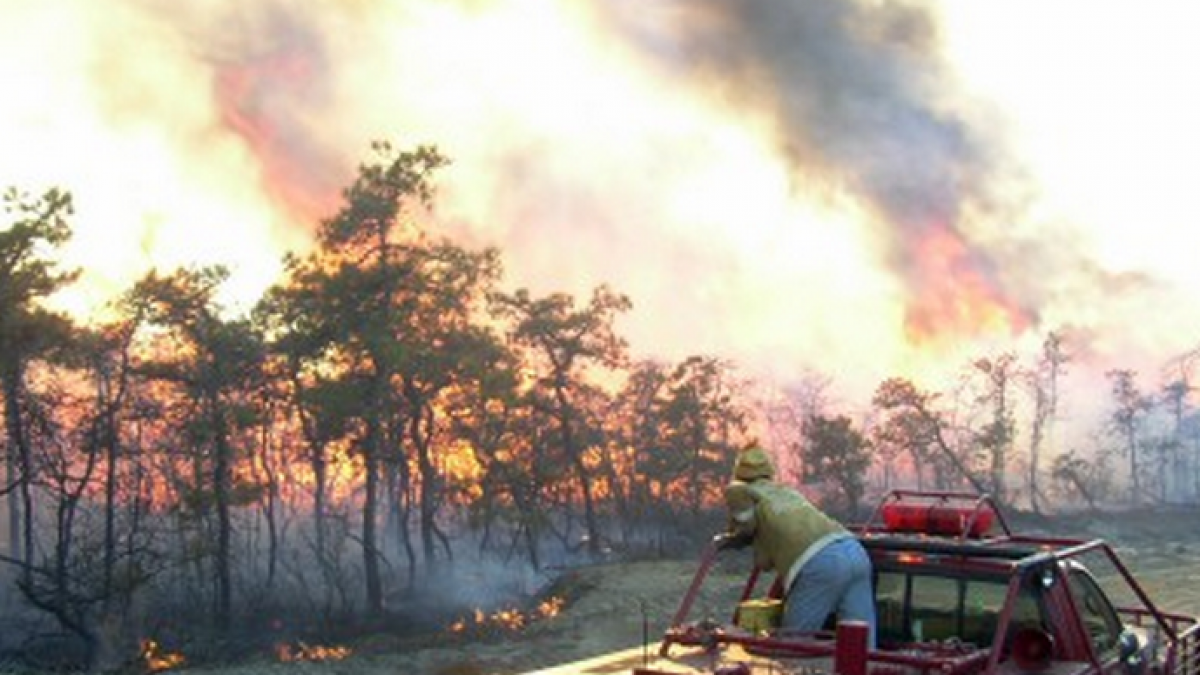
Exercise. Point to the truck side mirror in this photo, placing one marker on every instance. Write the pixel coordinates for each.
(1046, 578)
(1129, 646)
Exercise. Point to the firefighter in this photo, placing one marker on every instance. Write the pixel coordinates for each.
(822, 566)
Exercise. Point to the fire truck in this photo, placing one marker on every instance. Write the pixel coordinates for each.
(957, 592)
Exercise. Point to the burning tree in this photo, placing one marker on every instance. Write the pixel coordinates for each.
(28, 333)
(214, 364)
(442, 348)
(702, 425)
(562, 343)
(359, 292)
(681, 423)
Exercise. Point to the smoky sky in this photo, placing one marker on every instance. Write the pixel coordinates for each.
(856, 90)
(861, 102)
(855, 96)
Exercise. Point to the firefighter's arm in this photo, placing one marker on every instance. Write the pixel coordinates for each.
(727, 541)
(742, 521)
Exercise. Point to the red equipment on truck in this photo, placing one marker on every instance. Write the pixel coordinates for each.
(957, 592)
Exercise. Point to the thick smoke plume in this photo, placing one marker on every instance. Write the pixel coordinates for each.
(786, 183)
(858, 98)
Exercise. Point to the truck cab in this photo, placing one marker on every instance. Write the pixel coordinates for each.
(949, 569)
(957, 592)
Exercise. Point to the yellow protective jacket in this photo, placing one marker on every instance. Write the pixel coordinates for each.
(782, 522)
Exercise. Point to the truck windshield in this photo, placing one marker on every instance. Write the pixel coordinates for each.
(923, 607)
(1097, 614)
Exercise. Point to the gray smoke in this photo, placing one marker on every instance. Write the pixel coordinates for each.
(861, 103)
(858, 92)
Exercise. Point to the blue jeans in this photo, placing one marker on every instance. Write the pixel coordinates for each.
(838, 578)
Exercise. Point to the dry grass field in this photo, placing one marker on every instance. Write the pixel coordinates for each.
(616, 606)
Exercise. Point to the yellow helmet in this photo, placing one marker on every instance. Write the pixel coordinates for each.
(753, 464)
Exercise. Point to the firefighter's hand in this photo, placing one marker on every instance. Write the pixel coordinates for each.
(730, 541)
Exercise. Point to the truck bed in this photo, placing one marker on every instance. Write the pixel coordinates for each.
(697, 661)
(684, 660)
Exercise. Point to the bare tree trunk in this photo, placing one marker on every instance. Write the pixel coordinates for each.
(111, 459)
(270, 509)
(12, 476)
(319, 464)
(321, 524)
(1135, 486)
(1035, 445)
(18, 469)
(1084, 492)
(531, 545)
(958, 463)
(1195, 470)
(222, 484)
(52, 588)
(420, 431)
(371, 572)
(109, 402)
(591, 523)
(403, 510)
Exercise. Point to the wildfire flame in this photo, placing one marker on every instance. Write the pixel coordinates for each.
(256, 96)
(509, 619)
(287, 653)
(551, 607)
(955, 292)
(788, 143)
(157, 660)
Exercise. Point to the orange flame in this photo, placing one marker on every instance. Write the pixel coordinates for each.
(550, 608)
(955, 292)
(261, 99)
(158, 661)
(510, 619)
(301, 651)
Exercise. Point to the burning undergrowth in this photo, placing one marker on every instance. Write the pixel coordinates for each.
(460, 604)
(155, 656)
(492, 601)
(501, 622)
(287, 652)
(155, 659)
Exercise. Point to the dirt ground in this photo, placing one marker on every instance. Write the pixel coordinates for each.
(617, 606)
(607, 607)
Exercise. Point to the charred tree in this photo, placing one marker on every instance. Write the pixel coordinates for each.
(1130, 407)
(1044, 381)
(355, 290)
(28, 333)
(563, 342)
(995, 439)
(911, 420)
(216, 367)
